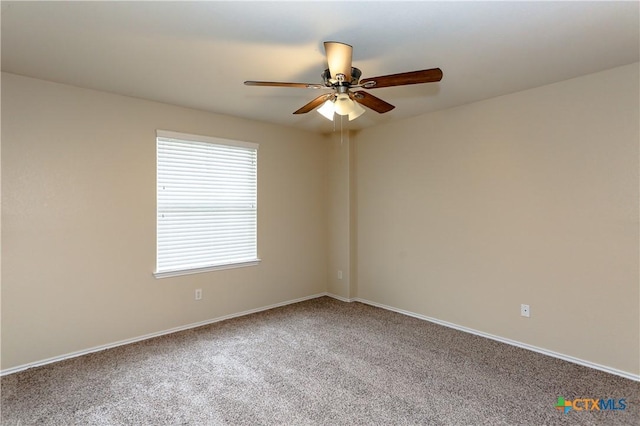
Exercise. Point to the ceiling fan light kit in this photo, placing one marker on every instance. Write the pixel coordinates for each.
(356, 111)
(327, 110)
(341, 77)
(342, 104)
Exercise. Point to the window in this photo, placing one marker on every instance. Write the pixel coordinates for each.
(206, 204)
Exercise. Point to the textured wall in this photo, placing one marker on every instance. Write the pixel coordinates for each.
(339, 211)
(78, 220)
(532, 198)
(460, 215)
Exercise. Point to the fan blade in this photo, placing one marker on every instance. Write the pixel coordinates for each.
(314, 103)
(372, 102)
(404, 78)
(278, 84)
(339, 59)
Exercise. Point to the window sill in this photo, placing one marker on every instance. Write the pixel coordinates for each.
(179, 272)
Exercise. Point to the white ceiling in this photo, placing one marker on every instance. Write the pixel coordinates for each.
(198, 54)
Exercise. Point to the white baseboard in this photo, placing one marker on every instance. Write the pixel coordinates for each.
(340, 298)
(564, 357)
(152, 335)
(606, 369)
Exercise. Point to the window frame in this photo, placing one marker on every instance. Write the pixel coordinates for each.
(186, 137)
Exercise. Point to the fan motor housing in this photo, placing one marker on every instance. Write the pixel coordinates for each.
(329, 82)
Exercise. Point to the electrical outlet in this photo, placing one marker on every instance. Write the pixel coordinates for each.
(339, 275)
(525, 311)
(198, 293)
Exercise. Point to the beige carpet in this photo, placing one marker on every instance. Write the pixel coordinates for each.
(320, 362)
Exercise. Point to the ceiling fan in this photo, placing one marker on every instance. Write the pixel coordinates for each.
(342, 79)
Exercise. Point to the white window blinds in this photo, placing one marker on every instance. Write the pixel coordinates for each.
(206, 205)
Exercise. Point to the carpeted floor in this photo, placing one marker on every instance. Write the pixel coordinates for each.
(319, 362)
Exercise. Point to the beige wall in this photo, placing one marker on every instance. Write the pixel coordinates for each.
(460, 215)
(78, 218)
(532, 198)
(342, 210)
(339, 210)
